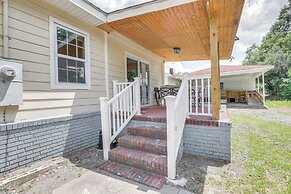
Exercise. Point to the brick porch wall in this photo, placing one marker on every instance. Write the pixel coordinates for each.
(33, 140)
(206, 138)
(208, 141)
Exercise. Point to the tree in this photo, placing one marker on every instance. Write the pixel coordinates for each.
(275, 49)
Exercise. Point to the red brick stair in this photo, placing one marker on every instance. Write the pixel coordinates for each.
(156, 146)
(132, 173)
(139, 159)
(143, 152)
(149, 131)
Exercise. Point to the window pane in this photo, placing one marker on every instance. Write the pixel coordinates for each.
(62, 75)
(81, 41)
(80, 72)
(72, 51)
(81, 53)
(62, 63)
(71, 64)
(72, 38)
(62, 48)
(61, 34)
(72, 76)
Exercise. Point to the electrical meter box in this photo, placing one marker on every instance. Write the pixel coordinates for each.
(11, 84)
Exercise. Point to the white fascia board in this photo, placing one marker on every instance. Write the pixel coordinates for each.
(91, 10)
(146, 8)
(230, 73)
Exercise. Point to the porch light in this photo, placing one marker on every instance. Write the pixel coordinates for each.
(177, 50)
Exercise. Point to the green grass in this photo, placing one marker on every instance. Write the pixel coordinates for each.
(263, 150)
(278, 104)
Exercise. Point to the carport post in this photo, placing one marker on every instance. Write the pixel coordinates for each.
(264, 95)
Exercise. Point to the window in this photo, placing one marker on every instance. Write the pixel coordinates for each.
(70, 50)
(221, 85)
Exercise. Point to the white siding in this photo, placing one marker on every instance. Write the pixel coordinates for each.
(239, 82)
(29, 45)
(29, 30)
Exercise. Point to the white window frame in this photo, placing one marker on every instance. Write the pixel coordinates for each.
(55, 84)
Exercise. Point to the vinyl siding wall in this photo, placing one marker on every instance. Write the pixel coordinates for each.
(29, 45)
(118, 48)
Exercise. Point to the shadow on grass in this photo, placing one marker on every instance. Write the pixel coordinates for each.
(195, 169)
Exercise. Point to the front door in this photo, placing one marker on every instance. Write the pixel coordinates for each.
(137, 68)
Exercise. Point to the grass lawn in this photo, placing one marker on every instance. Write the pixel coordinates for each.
(278, 104)
(261, 153)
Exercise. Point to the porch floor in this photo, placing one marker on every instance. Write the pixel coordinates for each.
(158, 114)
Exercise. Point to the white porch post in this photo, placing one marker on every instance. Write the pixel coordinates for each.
(137, 95)
(170, 103)
(263, 82)
(258, 84)
(106, 63)
(105, 126)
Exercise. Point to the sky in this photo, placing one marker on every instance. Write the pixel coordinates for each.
(257, 18)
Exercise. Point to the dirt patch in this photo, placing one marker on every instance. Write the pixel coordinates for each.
(73, 166)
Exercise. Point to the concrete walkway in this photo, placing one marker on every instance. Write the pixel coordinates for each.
(96, 183)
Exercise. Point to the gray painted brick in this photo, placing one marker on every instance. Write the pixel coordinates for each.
(46, 138)
(207, 141)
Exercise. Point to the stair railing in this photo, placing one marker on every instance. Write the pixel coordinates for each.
(259, 96)
(117, 112)
(119, 86)
(177, 112)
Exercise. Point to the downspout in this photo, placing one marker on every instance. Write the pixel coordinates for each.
(5, 29)
(106, 63)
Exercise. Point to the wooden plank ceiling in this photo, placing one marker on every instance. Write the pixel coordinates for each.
(185, 26)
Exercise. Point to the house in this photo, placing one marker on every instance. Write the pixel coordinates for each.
(239, 83)
(59, 57)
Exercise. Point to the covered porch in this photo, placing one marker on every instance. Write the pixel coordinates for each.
(180, 31)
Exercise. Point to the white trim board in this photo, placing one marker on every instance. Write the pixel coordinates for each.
(53, 70)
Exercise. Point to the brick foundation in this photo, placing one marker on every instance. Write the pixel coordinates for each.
(30, 141)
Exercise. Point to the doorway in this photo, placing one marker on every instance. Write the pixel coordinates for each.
(137, 68)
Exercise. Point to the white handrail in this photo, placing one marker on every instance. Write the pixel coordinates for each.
(119, 86)
(117, 112)
(177, 112)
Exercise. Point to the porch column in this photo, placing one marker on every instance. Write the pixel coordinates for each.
(106, 63)
(263, 82)
(215, 69)
(258, 84)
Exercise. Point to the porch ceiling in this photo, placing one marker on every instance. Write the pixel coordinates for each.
(185, 26)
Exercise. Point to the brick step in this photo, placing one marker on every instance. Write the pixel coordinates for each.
(148, 131)
(139, 159)
(156, 146)
(135, 174)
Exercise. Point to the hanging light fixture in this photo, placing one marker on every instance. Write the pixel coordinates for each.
(177, 50)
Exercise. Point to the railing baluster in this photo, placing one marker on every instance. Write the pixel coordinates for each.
(130, 100)
(196, 95)
(190, 94)
(113, 117)
(208, 94)
(117, 114)
(202, 95)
